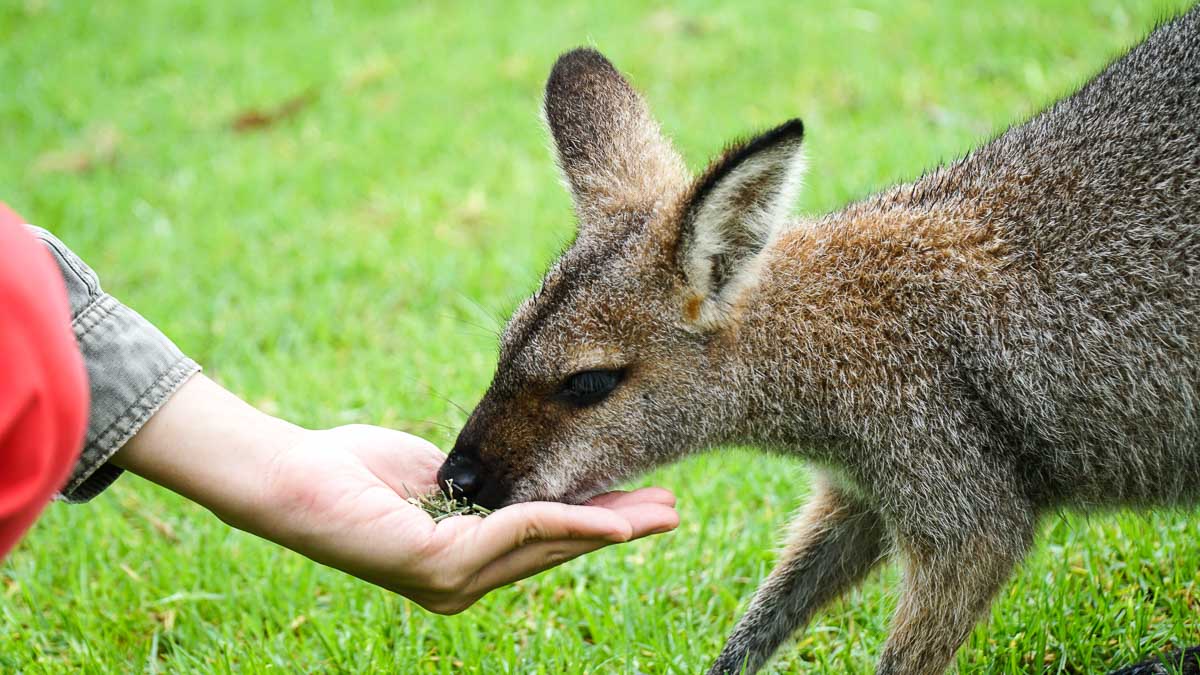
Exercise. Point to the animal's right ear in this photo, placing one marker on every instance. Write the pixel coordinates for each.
(611, 151)
(734, 212)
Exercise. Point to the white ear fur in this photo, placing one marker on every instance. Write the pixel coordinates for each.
(738, 210)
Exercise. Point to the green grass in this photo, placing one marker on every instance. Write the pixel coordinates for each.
(349, 263)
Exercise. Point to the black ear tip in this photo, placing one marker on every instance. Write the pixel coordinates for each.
(583, 53)
(578, 62)
(793, 129)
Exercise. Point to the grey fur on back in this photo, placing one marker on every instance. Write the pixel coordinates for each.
(1095, 377)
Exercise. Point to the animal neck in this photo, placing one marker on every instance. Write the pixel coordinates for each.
(855, 315)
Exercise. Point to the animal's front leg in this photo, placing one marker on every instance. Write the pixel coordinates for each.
(832, 545)
(946, 590)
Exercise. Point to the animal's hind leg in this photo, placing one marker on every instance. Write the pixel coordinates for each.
(833, 544)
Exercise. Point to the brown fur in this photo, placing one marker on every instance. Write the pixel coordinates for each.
(1011, 334)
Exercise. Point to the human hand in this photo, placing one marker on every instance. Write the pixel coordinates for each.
(340, 497)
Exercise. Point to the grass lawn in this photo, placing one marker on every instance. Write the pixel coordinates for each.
(349, 261)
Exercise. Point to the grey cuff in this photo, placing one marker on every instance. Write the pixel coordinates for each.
(133, 369)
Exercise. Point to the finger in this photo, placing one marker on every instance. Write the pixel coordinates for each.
(407, 463)
(419, 447)
(607, 498)
(647, 519)
(655, 495)
(516, 526)
(531, 560)
(545, 521)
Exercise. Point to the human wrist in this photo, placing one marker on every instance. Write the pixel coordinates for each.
(213, 448)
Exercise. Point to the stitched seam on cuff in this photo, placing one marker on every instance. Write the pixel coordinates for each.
(95, 313)
(124, 427)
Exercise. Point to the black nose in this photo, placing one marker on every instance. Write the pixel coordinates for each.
(460, 476)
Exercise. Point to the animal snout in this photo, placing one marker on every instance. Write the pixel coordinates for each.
(461, 476)
(465, 475)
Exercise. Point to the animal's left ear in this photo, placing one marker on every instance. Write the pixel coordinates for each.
(735, 210)
(611, 150)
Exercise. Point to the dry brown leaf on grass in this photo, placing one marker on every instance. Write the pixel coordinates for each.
(254, 119)
(97, 147)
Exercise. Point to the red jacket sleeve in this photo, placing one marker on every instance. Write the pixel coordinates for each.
(43, 386)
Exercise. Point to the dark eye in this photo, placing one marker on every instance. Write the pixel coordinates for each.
(589, 387)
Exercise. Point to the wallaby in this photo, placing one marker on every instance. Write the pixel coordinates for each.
(1008, 335)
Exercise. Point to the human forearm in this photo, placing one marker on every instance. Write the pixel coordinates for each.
(211, 447)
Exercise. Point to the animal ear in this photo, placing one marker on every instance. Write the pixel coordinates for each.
(735, 210)
(611, 151)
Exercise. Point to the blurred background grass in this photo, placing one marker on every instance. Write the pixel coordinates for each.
(332, 208)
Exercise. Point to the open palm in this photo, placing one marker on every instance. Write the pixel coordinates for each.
(341, 499)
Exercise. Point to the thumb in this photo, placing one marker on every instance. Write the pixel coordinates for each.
(513, 527)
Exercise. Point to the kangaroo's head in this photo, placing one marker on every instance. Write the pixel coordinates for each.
(609, 368)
